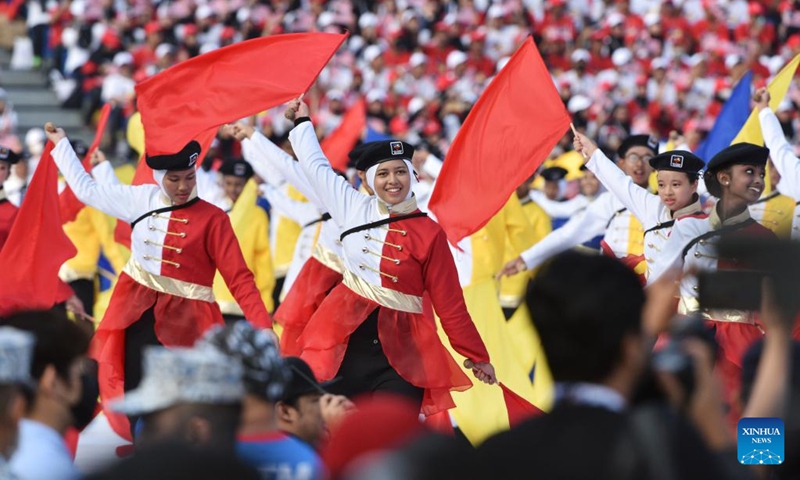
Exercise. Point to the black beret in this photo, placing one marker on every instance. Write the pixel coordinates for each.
(9, 156)
(355, 153)
(80, 148)
(378, 152)
(554, 174)
(739, 154)
(237, 168)
(637, 141)
(182, 160)
(679, 161)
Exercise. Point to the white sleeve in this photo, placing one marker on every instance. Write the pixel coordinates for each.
(334, 192)
(564, 209)
(432, 166)
(581, 228)
(268, 157)
(104, 174)
(781, 152)
(119, 201)
(643, 205)
(208, 187)
(671, 254)
(302, 213)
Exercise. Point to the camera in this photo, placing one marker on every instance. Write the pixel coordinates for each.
(674, 359)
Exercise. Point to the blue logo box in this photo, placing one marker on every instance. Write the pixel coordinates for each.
(761, 441)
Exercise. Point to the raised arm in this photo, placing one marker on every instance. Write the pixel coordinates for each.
(555, 209)
(644, 205)
(782, 154)
(119, 201)
(302, 213)
(268, 157)
(334, 192)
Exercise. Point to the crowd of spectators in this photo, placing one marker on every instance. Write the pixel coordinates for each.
(621, 66)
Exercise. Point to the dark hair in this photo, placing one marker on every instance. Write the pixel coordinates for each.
(712, 183)
(7, 395)
(59, 341)
(223, 421)
(582, 306)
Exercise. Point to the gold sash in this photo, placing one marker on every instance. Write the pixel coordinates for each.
(383, 296)
(328, 258)
(163, 284)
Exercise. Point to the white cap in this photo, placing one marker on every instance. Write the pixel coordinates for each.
(203, 12)
(578, 103)
(775, 64)
(415, 105)
(621, 56)
(659, 62)
(183, 375)
(69, 37)
(651, 18)
(502, 63)
(368, 20)
(417, 59)
(580, 55)
(455, 58)
(16, 351)
(376, 95)
(163, 50)
(785, 106)
(242, 15)
(326, 19)
(123, 58)
(334, 94)
(208, 47)
(696, 59)
(732, 59)
(371, 53)
(495, 11)
(615, 19)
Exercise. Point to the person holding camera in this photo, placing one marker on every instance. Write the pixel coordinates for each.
(735, 176)
(677, 174)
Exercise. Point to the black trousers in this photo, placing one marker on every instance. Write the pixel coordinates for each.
(84, 290)
(232, 318)
(365, 369)
(139, 335)
(276, 292)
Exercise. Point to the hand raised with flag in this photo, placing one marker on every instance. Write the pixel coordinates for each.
(240, 131)
(54, 134)
(583, 145)
(762, 98)
(297, 109)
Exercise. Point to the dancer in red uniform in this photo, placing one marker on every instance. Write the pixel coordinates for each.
(178, 241)
(370, 329)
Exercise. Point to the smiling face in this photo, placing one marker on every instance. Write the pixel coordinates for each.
(636, 164)
(179, 184)
(589, 184)
(392, 181)
(675, 189)
(742, 182)
(233, 186)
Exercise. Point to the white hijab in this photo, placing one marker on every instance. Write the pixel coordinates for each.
(371, 171)
(158, 176)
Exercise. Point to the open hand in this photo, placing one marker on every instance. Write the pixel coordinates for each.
(54, 134)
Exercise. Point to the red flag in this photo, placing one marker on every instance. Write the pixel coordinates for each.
(69, 204)
(339, 143)
(36, 246)
(518, 408)
(227, 84)
(509, 132)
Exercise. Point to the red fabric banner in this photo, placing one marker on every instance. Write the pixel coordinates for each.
(69, 204)
(339, 143)
(36, 246)
(518, 408)
(510, 131)
(228, 84)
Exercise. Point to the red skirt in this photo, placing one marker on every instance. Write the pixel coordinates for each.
(310, 288)
(179, 323)
(409, 341)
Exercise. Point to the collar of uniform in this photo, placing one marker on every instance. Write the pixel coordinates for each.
(591, 394)
(402, 208)
(717, 222)
(168, 201)
(690, 209)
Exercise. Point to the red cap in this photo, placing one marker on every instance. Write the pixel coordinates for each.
(794, 41)
(227, 33)
(110, 39)
(641, 81)
(152, 27)
(755, 9)
(189, 29)
(432, 127)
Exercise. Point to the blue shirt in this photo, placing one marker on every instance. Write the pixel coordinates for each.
(279, 456)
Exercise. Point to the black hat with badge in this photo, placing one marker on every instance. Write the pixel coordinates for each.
(355, 153)
(739, 154)
(678, 161)
(183, 160)
(237, 168)
(637, 141)
(9, 156)
(384, 151)
(80, 147)
(554, 174)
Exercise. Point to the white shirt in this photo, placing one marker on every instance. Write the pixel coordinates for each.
(42, 454)
(556, 209)
(785, 161)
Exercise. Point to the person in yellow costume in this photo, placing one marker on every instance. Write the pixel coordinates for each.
(251, 226)
(512, 295)
(774, 210)
(91, 232)
(481, 411)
